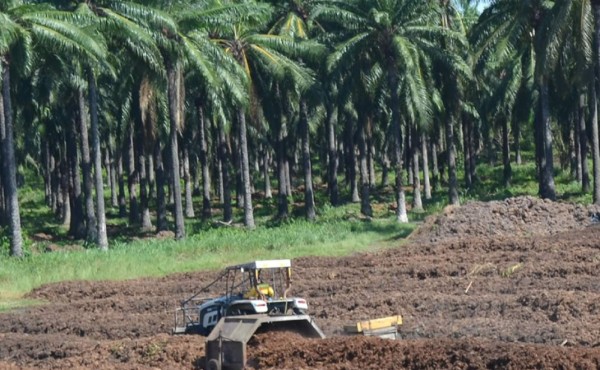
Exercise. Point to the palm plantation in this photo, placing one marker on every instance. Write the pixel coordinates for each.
(158, 100)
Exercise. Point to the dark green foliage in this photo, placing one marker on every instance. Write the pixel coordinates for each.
(299, 91)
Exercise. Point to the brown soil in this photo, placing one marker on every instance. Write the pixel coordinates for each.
(499, 285)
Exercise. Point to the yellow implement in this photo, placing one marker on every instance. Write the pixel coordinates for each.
(385, 327)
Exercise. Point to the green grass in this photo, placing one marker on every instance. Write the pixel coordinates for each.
(213, 248)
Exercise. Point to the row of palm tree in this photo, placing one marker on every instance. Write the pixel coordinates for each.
(222, 93)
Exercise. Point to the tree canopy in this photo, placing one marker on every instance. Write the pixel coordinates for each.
(154, 102)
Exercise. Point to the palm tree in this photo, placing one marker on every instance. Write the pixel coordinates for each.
(452, 91)
(12, 35)
(568, 44)
(22, 24)
(152, 36)
(595, 137)
(262, 57)
(126, 26)
(511, 24)
(292, 20)
(397, 36)
(217, 80)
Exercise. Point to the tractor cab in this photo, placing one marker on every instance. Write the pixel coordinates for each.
(258, 287)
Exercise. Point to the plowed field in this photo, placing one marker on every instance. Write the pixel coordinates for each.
(499, 285)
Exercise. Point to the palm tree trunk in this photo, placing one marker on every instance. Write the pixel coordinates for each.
(595, 143)
(64, 180)
(206, 207)
(195, 169)
(466, 125)
(507, 173)
(583, 143)
(176, 121)
(106, 164)
(580, 112)
(77, 223)
(401, 215)
(451, 158)
(54, 182)
(132, 180)
(236, 157)
(150, 175)
(282, 196)
(473, 156)
(102, 238)
(351, 161)
(121, 182)
(365, 204)
(408, 155)
(539, 143)
(573, 144)
(594, 101)
(10, 174)
(370, 153)
(3, 170)
(246, 192)
(144, 192)
(385, 168)
(517, 146)
(332, 183)
(86, 170)
(114, 200)
(426, 184)
(224, 159)
(577, 148)
(187, 180)
(417, 201)
(309, 196)
(140, 143)
(288, 176)
(47, 170)
(111, 177)
(266, 175)
(437, 184)
(219, 172)
(547, 188)
(161, 203)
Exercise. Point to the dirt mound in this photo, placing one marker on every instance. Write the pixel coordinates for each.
(67, 352)
(520, 216)
(527, 297)
(376, 353)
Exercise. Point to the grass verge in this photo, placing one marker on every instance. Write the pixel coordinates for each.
(211, 249)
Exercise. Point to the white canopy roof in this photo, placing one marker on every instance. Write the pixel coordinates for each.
(264, 264)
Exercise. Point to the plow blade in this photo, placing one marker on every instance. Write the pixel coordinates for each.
(226, 344)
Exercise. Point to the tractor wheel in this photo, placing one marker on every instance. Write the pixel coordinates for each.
(213, 364)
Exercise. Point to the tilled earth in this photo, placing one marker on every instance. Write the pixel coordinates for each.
(498, 285)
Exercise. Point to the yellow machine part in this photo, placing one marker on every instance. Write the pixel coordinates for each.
(374, 324)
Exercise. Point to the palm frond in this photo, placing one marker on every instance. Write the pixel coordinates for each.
(136, 38)
(306, 50)
(153, 18)
(219, 16)
(11, 32)
(65, 36)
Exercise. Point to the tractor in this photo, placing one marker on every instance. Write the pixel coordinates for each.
(256, 299)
